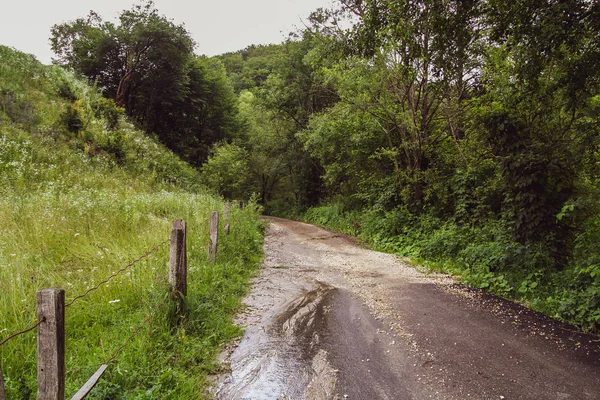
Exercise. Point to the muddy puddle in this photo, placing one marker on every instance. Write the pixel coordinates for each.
(279, 357)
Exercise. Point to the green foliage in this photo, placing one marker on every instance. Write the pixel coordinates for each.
(204, 114)
(540, 144)
(342, 138)
(17, 109)
(226, 170)
(146, 65)
(108, 110)
(284, 90)
(579, 300)
(463, 134)
(271, 149)
(74, 208)
(250, 68)
(74, 118)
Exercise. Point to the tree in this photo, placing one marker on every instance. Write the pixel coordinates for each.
(226, 170)
(292, 93)
(145, 48)
(267, 140)
(540, 94)
(422, 69)
(202, 114)
(146, 64)
(249, 68)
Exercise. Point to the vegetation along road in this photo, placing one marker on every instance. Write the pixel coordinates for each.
(462, 135)
(328, 319)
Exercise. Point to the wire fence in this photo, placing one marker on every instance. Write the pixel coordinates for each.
(178, 271)
(14, 335)
(86, 389)
(96, 287)
(103, 282)
(148, 318)
(118, 272)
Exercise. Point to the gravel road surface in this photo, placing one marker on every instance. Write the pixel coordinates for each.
(328, 319)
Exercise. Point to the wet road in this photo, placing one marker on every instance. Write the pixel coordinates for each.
(327, 319)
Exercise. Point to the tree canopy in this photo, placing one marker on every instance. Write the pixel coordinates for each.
(145, 62)
(469, 129)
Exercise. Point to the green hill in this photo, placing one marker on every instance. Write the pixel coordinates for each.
(82, 194)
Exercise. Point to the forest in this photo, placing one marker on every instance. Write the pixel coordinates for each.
(461, 134)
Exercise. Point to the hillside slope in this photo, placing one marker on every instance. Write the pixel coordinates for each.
(82, 194)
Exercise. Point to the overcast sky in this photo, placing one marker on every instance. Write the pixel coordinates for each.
(217, 26)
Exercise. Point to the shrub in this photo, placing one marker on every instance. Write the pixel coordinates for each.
(73, 118)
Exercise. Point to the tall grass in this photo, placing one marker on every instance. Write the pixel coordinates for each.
(78, 204)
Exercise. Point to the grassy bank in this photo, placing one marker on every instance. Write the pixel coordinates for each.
(483, 256)
(82, 194)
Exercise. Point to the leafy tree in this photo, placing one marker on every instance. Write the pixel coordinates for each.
(144, 48)
(146, 64)
(267, 141)
(293, 92)
(226, 170)
(540, 90)
(421, 71)
(204, 112)
(250, 68)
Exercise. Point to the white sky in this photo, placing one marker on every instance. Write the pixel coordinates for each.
(217, 26)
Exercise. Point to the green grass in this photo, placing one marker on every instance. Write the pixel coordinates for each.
(80, 200)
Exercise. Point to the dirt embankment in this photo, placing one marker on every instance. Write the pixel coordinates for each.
(327, 319)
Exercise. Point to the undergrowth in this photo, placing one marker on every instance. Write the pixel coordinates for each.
(483, 256)
(82, 194)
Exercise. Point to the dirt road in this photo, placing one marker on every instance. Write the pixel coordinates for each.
(327, 319)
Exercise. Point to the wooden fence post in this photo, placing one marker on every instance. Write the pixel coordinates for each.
(214, 237)
(51, 344)
(178, 262)
(2, 392)
(227, 216)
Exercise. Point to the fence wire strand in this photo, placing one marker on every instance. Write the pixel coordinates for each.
(125, 268)
(14, 335)
(136, 331)
(87, 292)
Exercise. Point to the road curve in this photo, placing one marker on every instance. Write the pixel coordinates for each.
(328, 319)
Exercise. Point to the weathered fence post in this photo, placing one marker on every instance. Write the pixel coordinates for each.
(51, 344)
(2, 392)
(214, 237)
(178, 262)
(227, 217)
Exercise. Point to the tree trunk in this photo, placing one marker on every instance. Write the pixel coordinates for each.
(123, 89)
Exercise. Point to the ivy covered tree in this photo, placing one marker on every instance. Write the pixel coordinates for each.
(541, 92)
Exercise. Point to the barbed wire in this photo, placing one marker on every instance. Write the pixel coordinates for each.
(115, 274)
(136, 331)
(14, 335)
(87, 292)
